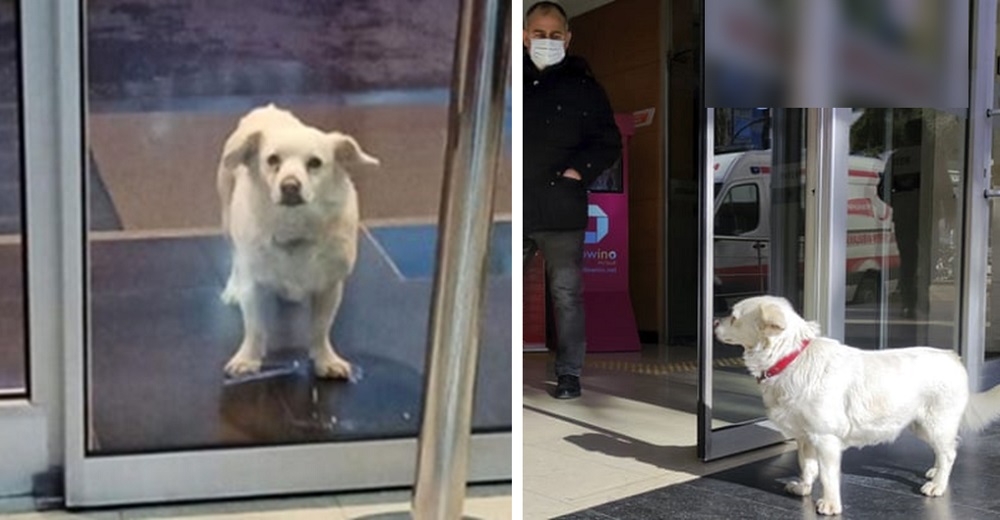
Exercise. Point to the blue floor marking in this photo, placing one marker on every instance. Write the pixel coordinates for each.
(413, 249)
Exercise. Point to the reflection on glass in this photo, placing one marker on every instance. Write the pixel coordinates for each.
(13, 346)
(993, 293)
(759, 200)
(904, 224)
(168, 82)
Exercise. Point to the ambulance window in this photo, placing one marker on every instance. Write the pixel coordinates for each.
(739, 212)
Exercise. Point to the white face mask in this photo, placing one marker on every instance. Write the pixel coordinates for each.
(546, 52)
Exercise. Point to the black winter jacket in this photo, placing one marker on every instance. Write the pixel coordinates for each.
(568, 123)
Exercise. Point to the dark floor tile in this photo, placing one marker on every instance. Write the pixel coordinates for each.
(13, 356)
(11, 270)
(587, 514)
(12, 319)
(683, 502)
(867, 502)
(763, 482)
(103, 214)
(140, 265)
(881, 482)
(10, 209)
(413, 248)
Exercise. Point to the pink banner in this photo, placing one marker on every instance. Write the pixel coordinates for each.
(610, 319)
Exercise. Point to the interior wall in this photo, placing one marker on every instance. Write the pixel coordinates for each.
(621, 41)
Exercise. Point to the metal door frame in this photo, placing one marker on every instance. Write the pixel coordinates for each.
(31, 427)
(976, 217)
(228, 472)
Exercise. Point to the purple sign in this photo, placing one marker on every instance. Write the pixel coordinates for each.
(610, 319)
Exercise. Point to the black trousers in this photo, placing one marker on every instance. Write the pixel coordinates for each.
(563, 253)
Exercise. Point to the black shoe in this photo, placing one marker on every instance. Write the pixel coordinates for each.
(568, 387)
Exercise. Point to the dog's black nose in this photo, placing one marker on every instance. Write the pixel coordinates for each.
(291, 192)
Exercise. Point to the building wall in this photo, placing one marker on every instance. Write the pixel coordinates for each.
(621, 41)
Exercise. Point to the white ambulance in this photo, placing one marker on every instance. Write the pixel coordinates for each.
(742, 229)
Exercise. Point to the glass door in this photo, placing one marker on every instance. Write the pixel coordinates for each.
(29, 397)
(13, 351)
(986, 39)
(905, 194)
(210, 356)
(753, 193)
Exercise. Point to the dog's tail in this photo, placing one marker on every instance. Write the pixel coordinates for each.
(983, 409)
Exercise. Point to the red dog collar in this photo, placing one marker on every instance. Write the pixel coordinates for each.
(783, 363)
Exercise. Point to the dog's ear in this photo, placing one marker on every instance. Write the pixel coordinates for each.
(241, 151)
(772, 319)
(348, 152)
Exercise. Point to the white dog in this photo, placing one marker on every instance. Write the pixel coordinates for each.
(830, 397)
(292, 214)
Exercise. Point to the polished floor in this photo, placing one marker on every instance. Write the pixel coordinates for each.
(627, 450)
(484, 502)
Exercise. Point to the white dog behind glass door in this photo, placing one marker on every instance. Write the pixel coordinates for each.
(291, 212)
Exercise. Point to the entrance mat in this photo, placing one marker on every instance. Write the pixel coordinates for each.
(880, 482)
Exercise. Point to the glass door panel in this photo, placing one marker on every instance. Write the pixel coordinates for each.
(13, 345)
(756, 181)
(167, 84)
(992, 344)
(904, 226)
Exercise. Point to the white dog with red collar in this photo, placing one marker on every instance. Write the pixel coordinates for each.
(830, 397)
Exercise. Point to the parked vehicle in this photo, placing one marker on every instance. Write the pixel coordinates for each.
(743, 226)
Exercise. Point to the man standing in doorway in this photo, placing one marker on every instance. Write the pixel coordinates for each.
(570, 138)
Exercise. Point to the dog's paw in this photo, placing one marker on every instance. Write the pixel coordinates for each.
(799, 488)
(930, 473)
(933, 489)
(828, 507)
(331, 367)
(241, 365)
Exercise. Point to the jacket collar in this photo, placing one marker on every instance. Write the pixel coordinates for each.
(783, 363)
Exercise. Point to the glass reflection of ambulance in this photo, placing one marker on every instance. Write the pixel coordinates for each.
(742, 229)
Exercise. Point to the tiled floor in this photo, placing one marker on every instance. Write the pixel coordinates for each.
(490, 502)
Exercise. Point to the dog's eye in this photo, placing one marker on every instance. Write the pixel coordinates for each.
(273, 160)
(314, 163)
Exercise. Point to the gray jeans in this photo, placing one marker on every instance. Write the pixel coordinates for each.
(563, 253)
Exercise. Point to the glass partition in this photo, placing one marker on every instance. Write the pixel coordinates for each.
(759, 234)
(992, 347)
(904, 226)
(168, 82)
